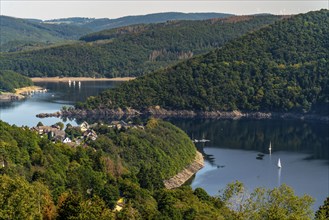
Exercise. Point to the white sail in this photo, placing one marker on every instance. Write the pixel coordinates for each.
(279, 163)
(270, 147)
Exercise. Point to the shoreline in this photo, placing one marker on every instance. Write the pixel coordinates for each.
(163, 113)
(180, 178)
(29, 89)
(20, 93)
(67, 79)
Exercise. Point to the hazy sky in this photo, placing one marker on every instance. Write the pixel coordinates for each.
(48, 9)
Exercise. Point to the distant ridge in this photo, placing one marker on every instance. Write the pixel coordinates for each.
(133, 50)
(107, 23)
(18, 34)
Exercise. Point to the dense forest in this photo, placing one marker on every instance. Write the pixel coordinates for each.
(19, 34)
(282, 68)
(106, 23)
(40, 179)
(10, 80)
(133, 50)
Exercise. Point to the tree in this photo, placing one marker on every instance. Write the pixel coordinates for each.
(60, 124)
(69, 206)
(323, 212)
(150, 178)
(277, 203)
(19, 199)
(39, 124)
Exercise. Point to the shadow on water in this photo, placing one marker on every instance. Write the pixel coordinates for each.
(255, 135)
(251, 135)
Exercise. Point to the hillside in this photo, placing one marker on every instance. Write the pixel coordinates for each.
(119, 176)
(106, 23)
(16, 33)
(19, 34)
(41, 178)
(9, 81)
(133, 50)
(282, 68)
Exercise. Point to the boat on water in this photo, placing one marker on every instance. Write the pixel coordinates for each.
(279, 163)
(200, 141)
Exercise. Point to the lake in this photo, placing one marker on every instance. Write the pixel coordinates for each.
(238, 149)
(59, 94)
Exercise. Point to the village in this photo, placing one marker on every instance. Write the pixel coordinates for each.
(77, 135)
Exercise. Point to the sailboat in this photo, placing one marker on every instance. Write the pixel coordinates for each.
(270, 147)
(279, 163)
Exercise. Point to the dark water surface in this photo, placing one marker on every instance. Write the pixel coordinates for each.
(238, 149)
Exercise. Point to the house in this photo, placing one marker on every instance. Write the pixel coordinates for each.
(119, 205)
(55, 134)
(59, 135)
(67, 140)
(84, 126)
(90, 134)
(123, 125)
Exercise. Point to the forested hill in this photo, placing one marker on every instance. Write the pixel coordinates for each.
(283, 67)
(119, 176)
(19, 34)
(106, 23)
(134, 50)
(10, 80)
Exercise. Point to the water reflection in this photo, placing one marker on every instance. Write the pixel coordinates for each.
(239, 150)
(256, 135)
(279, 177)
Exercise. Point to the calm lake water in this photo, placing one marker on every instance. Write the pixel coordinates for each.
(235, 147)
(232, 151)
(59, 94)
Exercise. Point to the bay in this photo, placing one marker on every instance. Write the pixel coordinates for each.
(59, 94)
(234, 146)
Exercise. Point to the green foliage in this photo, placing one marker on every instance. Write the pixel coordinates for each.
(10, 80)
(160, 141)
(150, 178)
(283, 67)
(22, 200)
(182, 203)
(39, 124)
(60, 124)
(278, 203)
(323, 212)
(73, 132)
(133, 50)
(17, 33)
(27, 34)
(86, 182)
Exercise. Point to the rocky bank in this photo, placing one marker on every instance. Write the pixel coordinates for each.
(159, 112)
(180, 178)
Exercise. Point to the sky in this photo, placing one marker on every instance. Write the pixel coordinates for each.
(51, 9)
